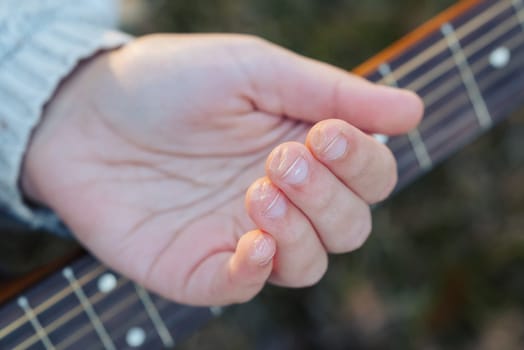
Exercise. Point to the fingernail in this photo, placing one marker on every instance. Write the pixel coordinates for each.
(277, 207)
(270, 201)
(329, 143)
(336, 148)
(263, 250)
(296, 172)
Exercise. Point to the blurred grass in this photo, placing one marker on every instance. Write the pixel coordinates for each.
(443, 269)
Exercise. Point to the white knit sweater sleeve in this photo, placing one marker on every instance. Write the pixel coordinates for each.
(41, 41)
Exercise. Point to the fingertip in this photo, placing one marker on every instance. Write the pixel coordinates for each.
(414, 108)
(253, 257)
(418, 107)
(251, 265)
(264, 200)
(263, 250)
(395, 111)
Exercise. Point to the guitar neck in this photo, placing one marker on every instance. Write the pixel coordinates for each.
(467, 65)
(468, 70)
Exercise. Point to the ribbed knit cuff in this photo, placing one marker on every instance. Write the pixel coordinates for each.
(30, 71)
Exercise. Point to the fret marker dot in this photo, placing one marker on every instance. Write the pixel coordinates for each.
(107, 282)
(22, 302)
(216, 310)
(499, 58)
(135, 337)
(381, 138)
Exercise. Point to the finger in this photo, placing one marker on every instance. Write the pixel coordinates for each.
(341, 218)
(300, 259)
(358, 160)
(234, 277)
(305, 89)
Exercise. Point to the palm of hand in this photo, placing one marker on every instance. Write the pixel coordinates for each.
(160, 156)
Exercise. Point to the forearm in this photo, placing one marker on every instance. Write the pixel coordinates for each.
(40, 44)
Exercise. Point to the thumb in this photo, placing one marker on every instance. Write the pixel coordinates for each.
(308, 90)
(236, 277)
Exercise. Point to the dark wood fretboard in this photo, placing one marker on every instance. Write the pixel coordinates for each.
(469, 69)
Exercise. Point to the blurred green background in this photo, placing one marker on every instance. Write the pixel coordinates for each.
(444, 268)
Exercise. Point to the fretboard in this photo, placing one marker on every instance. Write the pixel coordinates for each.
(86, 303)
(469, 71)
(470, 74)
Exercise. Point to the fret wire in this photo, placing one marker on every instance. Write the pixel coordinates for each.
(40, 333)
(403, 154)
(181, 314)
(414, 135)
(79, 333)
(477, 68)
(72, 313)
(431, 141)
(514, 43)
(153, 314)
(48, 303)
(68, 316)
(99, 327)
(106, 316)
(458, 100)
(78, 309)
(441, 45)
(444, 66)
(435, 140)
(485, 119)
(519, 8)
(441, 89)
(122, 329)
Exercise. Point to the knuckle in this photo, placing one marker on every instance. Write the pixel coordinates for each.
(324, 203)
(303, 274)
(252, 40)
(361, 231)
(313, 272)
(355, 237)
(293, 235)
(390, 165)
(244, 297)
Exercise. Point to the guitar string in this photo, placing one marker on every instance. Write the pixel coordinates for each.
(443, 67)
(469, 50)
(104, 316)
(441, 45)
(435, 141)
(431, 119)
(60, 295)
(115, 309)
(515, 43)
(57, 297)
(450, 84)
(70, 314)
(454, 105)
(86, 328)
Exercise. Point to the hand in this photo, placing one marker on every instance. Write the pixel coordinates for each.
(146, 153)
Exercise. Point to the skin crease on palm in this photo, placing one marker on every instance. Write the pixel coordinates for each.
(204, 166)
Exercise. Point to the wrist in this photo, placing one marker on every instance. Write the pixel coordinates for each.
(48, 137)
